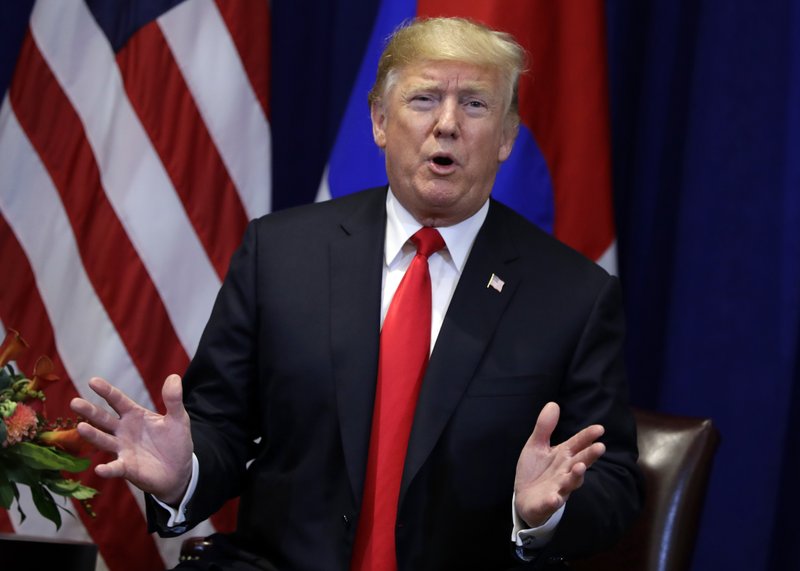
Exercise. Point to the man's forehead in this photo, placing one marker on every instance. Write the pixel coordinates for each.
(447, 74)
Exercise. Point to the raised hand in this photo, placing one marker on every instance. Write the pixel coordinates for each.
(547, 475)
(154, 452)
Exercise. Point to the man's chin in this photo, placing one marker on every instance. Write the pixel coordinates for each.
(441, 194)
(444, 208)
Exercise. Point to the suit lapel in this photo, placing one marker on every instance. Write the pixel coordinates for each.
(355, 278)
(468, 326)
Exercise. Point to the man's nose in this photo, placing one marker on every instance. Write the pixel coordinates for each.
(447, 122)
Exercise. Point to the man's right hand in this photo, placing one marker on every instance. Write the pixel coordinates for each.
(154, 452)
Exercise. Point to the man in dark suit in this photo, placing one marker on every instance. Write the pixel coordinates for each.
(526, 340)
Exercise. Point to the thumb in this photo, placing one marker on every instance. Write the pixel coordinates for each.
(172, 393)
(545, 425)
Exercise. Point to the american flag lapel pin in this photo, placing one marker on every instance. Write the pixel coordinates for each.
(496, 283)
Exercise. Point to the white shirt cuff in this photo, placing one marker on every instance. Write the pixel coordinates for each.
(533, 537)
(178, 515)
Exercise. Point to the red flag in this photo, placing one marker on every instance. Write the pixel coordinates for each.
(564, 104)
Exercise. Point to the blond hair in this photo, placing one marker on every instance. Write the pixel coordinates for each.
(451, 39)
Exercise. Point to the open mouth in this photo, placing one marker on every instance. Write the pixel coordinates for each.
(443, 161)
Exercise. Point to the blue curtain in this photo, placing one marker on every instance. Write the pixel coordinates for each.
(706, 121)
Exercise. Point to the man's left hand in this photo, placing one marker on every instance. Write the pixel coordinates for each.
(547, 475)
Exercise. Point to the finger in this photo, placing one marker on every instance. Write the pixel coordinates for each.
(94, 414)
(584, 438)
(81, 406)
(115, 398)
(550, 504)
(545, 425)
(97, 437)
(172, 393)
(555, 503)
(113, 469)
(590, 455)
(573, 481)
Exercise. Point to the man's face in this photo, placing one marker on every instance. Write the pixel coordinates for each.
(444, 130)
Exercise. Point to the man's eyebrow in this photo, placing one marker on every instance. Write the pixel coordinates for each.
(424, 85)
(469, 88)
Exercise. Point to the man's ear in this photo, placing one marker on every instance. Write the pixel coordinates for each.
(510, 131)
(378, 115)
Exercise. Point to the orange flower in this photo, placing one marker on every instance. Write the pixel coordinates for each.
(67, 440)
(42, 371)
(21, 425)
(12, 347)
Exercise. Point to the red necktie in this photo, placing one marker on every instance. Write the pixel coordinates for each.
(405, 344)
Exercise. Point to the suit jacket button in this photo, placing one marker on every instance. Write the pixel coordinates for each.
(346, 521)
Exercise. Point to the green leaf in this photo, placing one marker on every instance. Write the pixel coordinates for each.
(19, 506)
(8, 492)
(5, 378)
(20, 473)
(71, 488)
(22, 515)
(84, 493)
(3, 432)
(62, 486)
(44, 458)
(46, 505)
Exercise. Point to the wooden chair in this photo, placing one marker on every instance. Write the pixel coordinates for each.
(675, 456)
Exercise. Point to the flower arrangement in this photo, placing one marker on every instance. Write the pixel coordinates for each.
(33, 450)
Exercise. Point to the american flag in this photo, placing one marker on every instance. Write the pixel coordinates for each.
(135, 144)
(134, 147)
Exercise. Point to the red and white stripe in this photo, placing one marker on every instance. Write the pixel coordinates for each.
(127, 180)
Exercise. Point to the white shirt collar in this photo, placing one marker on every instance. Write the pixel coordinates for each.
(401, 225)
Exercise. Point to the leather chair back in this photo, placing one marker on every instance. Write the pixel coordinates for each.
(675, 456)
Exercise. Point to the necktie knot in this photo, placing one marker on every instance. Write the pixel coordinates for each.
(428, 241)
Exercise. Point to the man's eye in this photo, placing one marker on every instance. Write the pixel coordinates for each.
(421, 102)
(476, 104)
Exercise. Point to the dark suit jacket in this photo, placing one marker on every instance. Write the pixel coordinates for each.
(290, 356)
